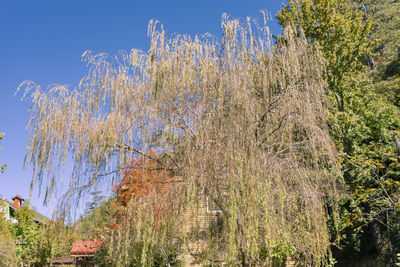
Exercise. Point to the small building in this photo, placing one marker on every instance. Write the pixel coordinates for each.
(82, 254)
(8, 209)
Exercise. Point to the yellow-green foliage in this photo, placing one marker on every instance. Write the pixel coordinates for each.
(26, 234)
(7, 247)
(341, 32)
(239, 119)
(386, 32)
(58, 237)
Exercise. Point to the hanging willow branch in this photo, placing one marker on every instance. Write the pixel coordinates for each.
(242, 117)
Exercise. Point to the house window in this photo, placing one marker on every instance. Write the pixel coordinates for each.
(12, 213)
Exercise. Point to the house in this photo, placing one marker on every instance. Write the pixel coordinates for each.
(82, 254)
(8, 209)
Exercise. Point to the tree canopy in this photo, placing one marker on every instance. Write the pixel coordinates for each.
(363, 121)
(241, 120)
(342, 34)
(386, 32)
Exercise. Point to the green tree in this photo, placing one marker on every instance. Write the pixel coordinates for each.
(96, 201)
(362, 122)
(341, 32)
(58, 237)
(7, 247)
(28, 236)
(98, 216)
(97, 223)
(386, 33)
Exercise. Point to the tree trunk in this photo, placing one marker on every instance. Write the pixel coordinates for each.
(376, 233)
(371, 63)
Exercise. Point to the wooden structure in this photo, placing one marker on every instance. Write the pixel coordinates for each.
(82, 254)
(83, 251)
(62, 262)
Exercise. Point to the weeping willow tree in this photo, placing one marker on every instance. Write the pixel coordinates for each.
(240, 120)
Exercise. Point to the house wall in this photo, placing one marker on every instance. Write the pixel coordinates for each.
(199, 218)
(5, 209)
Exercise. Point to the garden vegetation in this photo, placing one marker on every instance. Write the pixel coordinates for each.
(293, 140)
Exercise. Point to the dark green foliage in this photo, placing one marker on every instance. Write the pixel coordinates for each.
(96, 200)
(371, 171)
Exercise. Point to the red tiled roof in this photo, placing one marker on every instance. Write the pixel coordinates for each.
(85, 247)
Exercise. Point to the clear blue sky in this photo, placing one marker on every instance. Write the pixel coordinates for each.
(43, 41)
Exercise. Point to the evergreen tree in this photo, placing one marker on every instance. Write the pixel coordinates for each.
(97, 217)
(96, 201)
